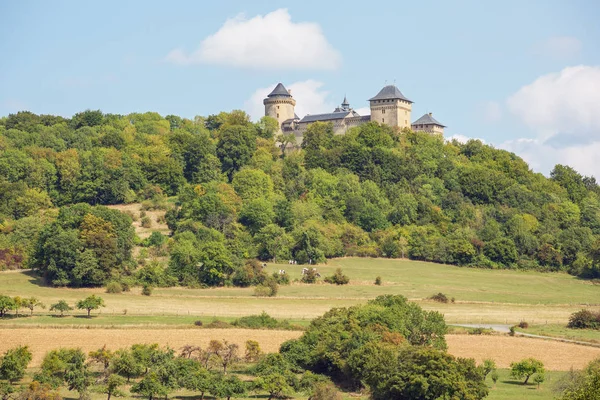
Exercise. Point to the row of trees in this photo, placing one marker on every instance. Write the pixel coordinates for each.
(16, 303)
(374, 191)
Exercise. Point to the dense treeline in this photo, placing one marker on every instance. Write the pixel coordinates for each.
(374, 192)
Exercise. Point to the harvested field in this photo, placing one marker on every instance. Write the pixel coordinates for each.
(42, 340)
(556, 356)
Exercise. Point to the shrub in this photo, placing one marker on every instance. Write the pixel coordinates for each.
(512, 330)
(338, 278)
(262, 291)
(114, 287)
(161, 219)
(142, 214)
(440, 298)
(281, 279)
(147, 290)
(523, 325)
(198, 323)
(479, 331)
(146, 222)
(310, 276)
(262, 320)
(325, 391)
(218, 324)
(584, 319)
(378, 281)
(495, 376)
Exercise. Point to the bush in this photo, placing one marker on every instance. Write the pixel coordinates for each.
(440, 298)
(479, 331)
(378, 281)
(325, 391)
(146, 222)
(523, 325)
(584, 319)
(262, 291)
(198, 323)
(338, 278)
(142, 214)
(114, 287)
(512, 330)
(147, 290)
(281, 279)
(263, 320)
(310, 276)
(218, 324)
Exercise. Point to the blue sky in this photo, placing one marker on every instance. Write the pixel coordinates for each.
(521, 75)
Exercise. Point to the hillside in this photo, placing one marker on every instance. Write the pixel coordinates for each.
(374, 192)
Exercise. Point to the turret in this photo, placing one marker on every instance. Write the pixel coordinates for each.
(428, 124)
(390, 107)
(279, 104)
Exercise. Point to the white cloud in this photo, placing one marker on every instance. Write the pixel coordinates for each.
(309, 95)
(559, 47)
(271, 41)
(564, 102)
(563, 110)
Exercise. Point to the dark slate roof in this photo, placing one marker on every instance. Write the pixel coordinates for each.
(390, 92)
(325, 117)
(427, 119)
(280, 90)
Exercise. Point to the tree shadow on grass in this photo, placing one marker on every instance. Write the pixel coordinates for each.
(529, 385)
(36, 279)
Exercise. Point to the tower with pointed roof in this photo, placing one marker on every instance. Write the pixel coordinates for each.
(428, 124)
(280, 104)
(391, 107)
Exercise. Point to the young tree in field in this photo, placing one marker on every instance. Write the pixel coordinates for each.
(526, 368)
(538, 379)
(253, 351)
(32, 302)
(150, 386)
(199, 380)
(18, 303)
(111, 386)
(228, 386)
(14, 362)
(126, 365)
(61, 306)
(6, 304)
(102, 356)
(90, 303)
(488, 366)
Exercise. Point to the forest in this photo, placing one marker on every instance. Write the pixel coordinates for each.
(234, 191)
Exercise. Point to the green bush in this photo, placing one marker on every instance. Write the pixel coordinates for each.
(147, 290)
(378, 281)
(260, 321)
(114, 287)
(338, 278)
(310, 276)
(584, 319)
(440, 298)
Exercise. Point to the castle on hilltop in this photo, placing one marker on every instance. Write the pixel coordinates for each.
(389, 107)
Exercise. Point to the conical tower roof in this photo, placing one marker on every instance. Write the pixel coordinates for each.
(279, 90)
(427, 119)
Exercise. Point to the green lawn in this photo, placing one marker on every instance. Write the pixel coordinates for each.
(493, 296)
(561, 331)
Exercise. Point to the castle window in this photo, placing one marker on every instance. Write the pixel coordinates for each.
(383, 111)
(278, 107)
(382, 120)
(277, 115)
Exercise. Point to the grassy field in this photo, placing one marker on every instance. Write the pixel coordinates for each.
(482, 296)
(561, 331)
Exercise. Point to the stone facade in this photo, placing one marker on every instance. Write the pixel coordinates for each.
(389, 107)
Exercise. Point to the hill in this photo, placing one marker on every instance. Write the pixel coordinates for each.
(373, 192)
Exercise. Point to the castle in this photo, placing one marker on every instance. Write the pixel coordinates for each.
(389, 107)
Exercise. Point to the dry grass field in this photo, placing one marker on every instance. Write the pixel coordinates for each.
(556, 356)
(142, 232)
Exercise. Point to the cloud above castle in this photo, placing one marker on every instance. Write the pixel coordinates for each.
(272, 41)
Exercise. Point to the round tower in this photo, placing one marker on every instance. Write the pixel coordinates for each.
(279, 104)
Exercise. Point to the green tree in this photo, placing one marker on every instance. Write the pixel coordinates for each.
(235, 148)
(111, 386)
(61, 306)
(32, 302)
(14, 362)
(125, 364)
(582, 385)
(6, 303)
(150, 386)
(228, 386)
(90, 303)
(526, 368)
